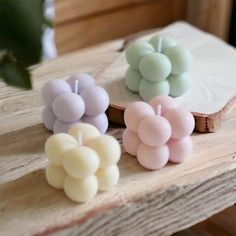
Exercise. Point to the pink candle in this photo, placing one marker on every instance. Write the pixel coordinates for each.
(158, 132)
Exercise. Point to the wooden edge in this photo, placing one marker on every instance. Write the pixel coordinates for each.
(203, 123)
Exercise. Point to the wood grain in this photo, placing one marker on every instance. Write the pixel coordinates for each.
(144, 203)
(212, 16)
(112, 24)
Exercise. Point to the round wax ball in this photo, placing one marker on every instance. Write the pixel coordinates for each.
(84, 81)
(96, 100)
(68, 107)
(108, 177)
(55, 176)
(180, 149)
(63, 127)
(166, 103)
(100, 122)
(180, 57)
(107, 148)
(80, 162)
(154, 130)
(81, 190)
(136, 51)
(166, 42)
(131, 142)
(52, 89)
(153, 158)
(155, 67)
(132, 79)
(135, 112)
(56, 145)
(88, 132)
(181, 121)
(179, 84)
(148, 90)
(48, 118)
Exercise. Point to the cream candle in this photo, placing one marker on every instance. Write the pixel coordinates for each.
(160, 134)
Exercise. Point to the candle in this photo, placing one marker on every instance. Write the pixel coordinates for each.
(157, 67)
(158, 132)
(82, 162)
(77, 100)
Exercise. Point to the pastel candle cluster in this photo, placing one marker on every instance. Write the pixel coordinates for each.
(158, 132)
(158, 67)
(82, 162)
(76, 100)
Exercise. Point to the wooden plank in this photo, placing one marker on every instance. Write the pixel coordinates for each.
(72, 9)
(212, 16)
(113, 24)
(152, 203)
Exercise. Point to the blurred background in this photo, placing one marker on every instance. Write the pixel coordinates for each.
(81, 23)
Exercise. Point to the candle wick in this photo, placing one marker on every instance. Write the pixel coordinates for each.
(76, 86)
(80, 138)
(159, 108)
(159, 44)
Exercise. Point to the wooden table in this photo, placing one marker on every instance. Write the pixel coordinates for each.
(144, 203)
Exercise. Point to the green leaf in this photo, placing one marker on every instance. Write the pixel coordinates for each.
(21, 28)
(14, 74)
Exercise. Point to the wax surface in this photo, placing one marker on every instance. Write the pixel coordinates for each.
(56, 146)
(153, 158)
(63, 127)
(134, 113)
(148, 90)
(81, 190)
(48, 118)
(131, 142)
(88, 131)
(107, 177)
(84, 81)
(155, 67)
(107, 148)
(180, 57)
(55, 176)
(133, 79)
(52, 89)
(136, 51)
(68, 107)
(96, 100)
(166, 42)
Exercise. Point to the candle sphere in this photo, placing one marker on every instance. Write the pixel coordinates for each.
(166, 42)
(135, 112)
(107, 148)
(155, 67)
(154, 130)
(100, 122)
(55, 176)
(56, 145)
(96, 100)
(180, 57)
(180, 149)
(132, 79)
(63, 127)
(48, 118)
(68, 107)
(88, 132)
(182, 122)
(148, 90)
(107, 177)
(131, 142)
(179, 84)
(136, 51)
(152, 158)
(80, 190)
(52, 89)
(80, 162)
(84, 81)
(166, 103)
